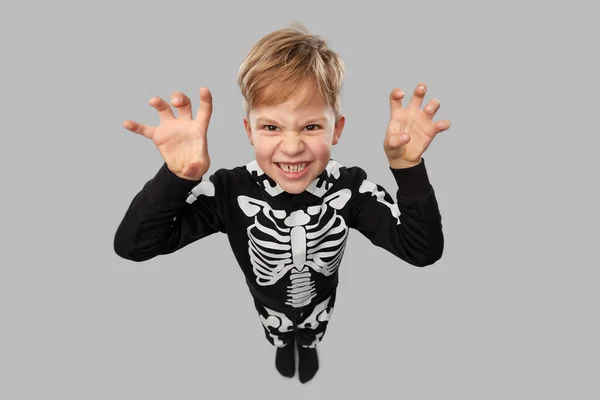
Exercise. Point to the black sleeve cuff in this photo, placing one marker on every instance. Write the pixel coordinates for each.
(168, 188)
(413, 181)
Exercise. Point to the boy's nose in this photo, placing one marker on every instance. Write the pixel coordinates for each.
(292, 144)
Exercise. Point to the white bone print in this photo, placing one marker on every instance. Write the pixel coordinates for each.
(332, 170)
(283, 324)
(368, 186)
(316, 317)
(278, 321)
(278, 243)
(205, 188)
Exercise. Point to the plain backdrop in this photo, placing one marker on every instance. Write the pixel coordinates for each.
(510, 311)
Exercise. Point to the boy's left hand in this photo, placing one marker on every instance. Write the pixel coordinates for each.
(411, 129)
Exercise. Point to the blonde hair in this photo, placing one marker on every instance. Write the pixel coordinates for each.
(281, 62)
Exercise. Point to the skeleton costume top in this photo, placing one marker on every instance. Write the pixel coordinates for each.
(289, 246)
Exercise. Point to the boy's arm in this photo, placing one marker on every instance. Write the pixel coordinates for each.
(164, 216)
(410, 228)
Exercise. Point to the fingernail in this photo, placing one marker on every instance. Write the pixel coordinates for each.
(175, 99)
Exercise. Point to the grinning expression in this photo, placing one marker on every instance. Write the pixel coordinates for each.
(292, 142)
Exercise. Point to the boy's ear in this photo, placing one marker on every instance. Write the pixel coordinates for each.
(248, 129)
(337, 130)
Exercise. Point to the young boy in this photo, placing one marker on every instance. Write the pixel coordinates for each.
(287, 213)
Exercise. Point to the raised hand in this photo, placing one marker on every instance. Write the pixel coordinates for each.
(180, 140)
(411, 130)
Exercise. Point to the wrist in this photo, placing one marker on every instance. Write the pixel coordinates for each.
(402, 164)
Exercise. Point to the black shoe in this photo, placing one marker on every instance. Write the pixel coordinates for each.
(308, 363)
(285, 361)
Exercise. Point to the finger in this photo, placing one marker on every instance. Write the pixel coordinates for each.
(183, 105)
(396, 97)
(144, 130)
(163, 108)
(396, 136)
(441, 126)
(398, 140)
(205, 108)
(431, 108)
(418, 95)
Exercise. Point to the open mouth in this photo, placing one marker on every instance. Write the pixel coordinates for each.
(293, 168)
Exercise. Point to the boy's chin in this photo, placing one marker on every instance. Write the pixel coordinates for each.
(292, 187)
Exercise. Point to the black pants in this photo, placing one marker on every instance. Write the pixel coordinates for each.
(306, 329)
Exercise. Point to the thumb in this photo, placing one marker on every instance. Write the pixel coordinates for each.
(398, 140)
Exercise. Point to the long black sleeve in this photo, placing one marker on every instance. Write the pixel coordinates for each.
(168, 214)
(410, 228)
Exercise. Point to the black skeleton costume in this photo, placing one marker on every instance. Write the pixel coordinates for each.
(289, 246)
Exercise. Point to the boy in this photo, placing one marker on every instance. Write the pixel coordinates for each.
(288, 212)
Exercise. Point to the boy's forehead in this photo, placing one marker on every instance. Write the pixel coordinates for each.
(292, 109)
(290, 113)
(290, 119)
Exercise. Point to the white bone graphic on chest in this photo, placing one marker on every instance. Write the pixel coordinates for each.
(301, 243)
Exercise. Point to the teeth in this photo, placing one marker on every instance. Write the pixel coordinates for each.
(293, 168)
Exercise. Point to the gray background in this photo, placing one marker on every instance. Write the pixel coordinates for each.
(510, 311)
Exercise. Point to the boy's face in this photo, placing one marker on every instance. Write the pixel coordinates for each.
(289, 133)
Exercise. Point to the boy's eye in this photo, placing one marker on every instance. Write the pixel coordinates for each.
(273, 128)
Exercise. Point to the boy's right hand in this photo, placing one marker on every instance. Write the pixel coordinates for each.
(180, 140)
